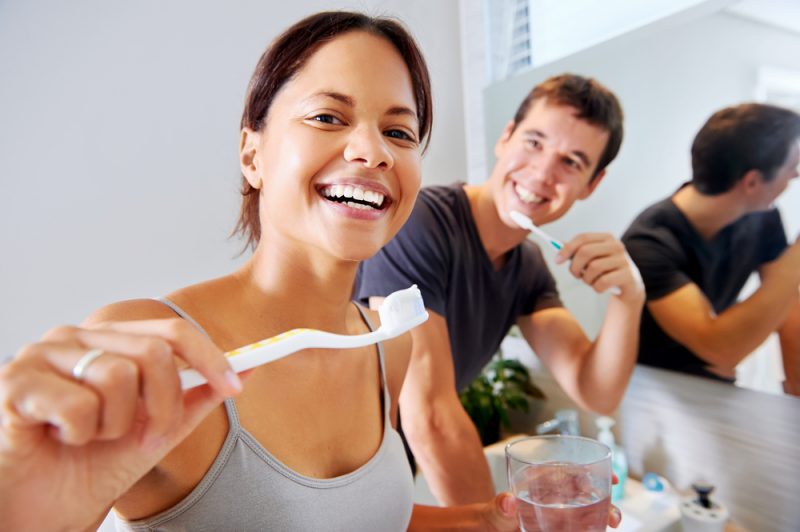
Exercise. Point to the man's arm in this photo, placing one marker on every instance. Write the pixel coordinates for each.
(724, 340)
(594, 374)
(442, 437)
(789, 334)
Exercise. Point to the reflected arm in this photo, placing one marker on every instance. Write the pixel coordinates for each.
(789, 334)
(724, 340)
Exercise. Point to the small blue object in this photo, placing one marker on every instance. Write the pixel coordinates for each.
(652, 482)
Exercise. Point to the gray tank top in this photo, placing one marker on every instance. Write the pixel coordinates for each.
(247, 488)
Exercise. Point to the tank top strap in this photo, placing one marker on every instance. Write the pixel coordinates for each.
(180, 312)
(384, 386)
(230, 406)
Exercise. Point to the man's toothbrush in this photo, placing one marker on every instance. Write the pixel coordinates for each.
(400, 311)
(526, 223)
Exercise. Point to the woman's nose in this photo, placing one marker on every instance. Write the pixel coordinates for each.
(368, 147)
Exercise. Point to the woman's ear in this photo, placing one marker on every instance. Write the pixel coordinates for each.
(248, 148)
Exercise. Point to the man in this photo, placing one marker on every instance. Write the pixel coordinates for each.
(697, 248)
(479, 275)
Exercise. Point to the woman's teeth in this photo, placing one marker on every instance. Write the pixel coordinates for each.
(527, 196)
(354, 196)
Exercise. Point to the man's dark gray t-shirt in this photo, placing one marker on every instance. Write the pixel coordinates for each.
(440, 251)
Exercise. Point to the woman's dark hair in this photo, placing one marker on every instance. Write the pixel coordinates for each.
(286, 56)
(593, 102)
(735, 140)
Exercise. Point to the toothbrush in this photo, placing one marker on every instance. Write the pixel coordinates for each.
(526, 223)
(401, 310)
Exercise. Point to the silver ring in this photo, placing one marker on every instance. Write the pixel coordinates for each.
(79, 371)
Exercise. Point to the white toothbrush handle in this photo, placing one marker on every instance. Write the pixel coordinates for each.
(556, 245)
(250, 357)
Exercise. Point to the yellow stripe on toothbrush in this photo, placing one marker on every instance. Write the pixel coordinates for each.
(268, 341)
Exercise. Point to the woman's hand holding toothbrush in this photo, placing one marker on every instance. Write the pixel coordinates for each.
(86, 412)
(600, 261)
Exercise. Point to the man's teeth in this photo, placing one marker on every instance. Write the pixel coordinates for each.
(527, 196)
(374, 199)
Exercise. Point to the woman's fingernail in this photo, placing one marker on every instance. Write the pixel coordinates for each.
(234, 380)
(507, 504)
(617, 514)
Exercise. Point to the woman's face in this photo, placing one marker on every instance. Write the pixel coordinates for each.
(338, 160)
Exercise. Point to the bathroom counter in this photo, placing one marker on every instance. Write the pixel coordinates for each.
(638, 515)
(641, 511)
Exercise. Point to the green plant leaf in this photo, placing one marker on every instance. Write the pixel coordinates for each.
(503, 385)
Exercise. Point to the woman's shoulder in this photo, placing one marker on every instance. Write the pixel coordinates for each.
(129, 310)
(154, 308)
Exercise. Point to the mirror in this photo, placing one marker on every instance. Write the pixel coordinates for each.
(670, 77)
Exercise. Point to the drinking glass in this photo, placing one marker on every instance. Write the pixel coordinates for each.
(562, 483)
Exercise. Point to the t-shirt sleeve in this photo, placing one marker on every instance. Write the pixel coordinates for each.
(418, 254)
(543, 292)
(773, 236)
(660, 261)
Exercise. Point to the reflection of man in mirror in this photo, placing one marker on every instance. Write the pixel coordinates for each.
(697, 248)
(479, 276)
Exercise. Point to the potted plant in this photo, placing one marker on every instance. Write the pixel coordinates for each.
(503, 386)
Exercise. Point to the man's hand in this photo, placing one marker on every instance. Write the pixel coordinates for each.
(600, 261)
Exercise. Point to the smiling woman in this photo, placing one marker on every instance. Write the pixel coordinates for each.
(330, 156)
(409, 121)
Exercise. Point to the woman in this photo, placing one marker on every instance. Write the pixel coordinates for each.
(335, 119)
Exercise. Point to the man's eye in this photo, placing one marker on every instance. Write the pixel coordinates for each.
(572, 163)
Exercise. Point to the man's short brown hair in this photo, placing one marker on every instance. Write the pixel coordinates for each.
(592, 102)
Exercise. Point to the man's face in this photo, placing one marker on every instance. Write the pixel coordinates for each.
(546, 164)
(770, 190)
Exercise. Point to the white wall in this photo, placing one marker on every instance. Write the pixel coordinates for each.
(561, 28)
(670, 80)
(118, 142)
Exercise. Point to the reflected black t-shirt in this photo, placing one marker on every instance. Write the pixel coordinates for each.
(670, 254)
(440, 251)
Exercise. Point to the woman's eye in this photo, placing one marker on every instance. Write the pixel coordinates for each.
(398, 134)
(533, 143)
(326, 119)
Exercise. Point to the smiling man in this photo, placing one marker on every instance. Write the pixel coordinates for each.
(479, 276)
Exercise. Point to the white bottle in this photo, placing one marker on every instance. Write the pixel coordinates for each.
(619, 464)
